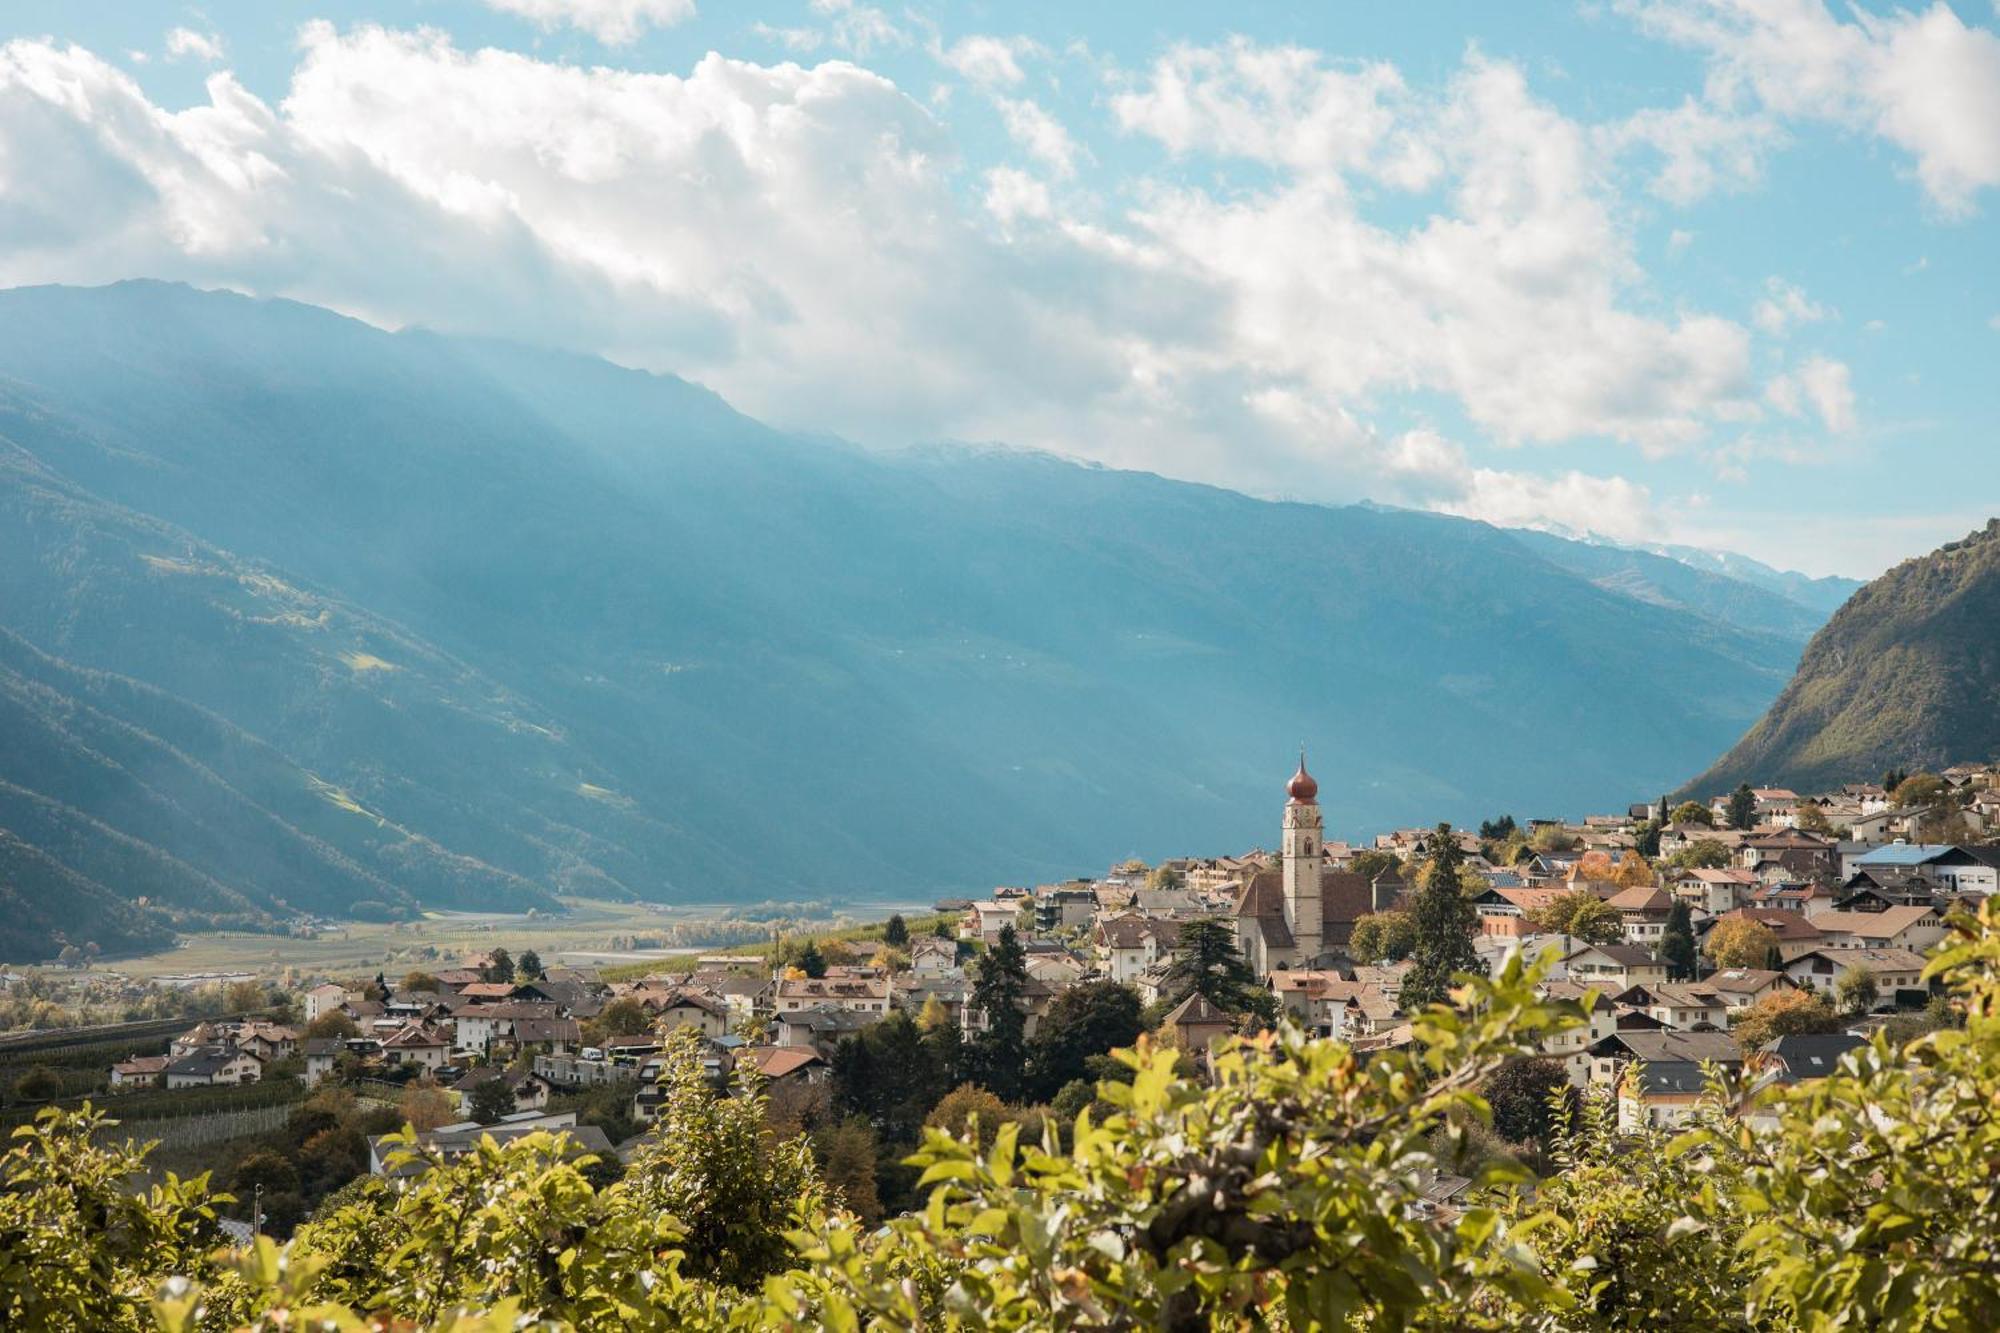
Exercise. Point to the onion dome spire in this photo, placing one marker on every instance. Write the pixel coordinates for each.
(1302, 789)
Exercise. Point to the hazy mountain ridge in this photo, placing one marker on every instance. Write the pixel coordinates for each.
(498, 622)
(1906, 674)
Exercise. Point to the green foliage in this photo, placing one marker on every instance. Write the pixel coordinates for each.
(1855, 990)
(999, 1054)
(711, 1166)
(1526, 1097)
(1742, 808)
(500, 968)
(1206, 962)
(1083, 1022)
(1677, 943)
(1693, 812)
(1383, 937)
(1286, 1193)
(810, 960)
(491, 1100)
(1580, 913)
(893, 1072)
(1445, 923)
(1552, 838)
(896, 932)
(1166, 877)
(1371, 863)
(530, 965)
(1701, 854)
(75, 1236)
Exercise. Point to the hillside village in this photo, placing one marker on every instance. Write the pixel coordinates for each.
(1764, 929)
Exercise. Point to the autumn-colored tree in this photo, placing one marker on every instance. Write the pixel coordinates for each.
(1740, 941)
(1633, 872)
(426, 1106)
(1693, 812)
(1785, 1013)
(965, 1107)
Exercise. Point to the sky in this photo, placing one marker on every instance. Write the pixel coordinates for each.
(1715, 272)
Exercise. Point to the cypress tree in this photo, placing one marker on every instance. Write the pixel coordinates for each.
(1677, 942)
(1445, 922)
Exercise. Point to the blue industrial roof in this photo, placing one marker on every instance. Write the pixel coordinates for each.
(1904, 854)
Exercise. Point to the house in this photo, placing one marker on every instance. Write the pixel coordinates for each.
(1060, 907)
(1915, 928)
(1714, 891)
(1661, 1046)
(321, 1054)
(550, 1036)
(266, 1041)
(1644, 910)
(932, 956)
(1959, 869)
(213, 1067)
(325, 998)
(868, 995)
(1572, 1047)
(1127, 945)
(797, 1064)
(531, 1091)
(140, 1071)
(1662, 1094)
(1503, 909)
(450, 1142)
(1626, 964)
(1788, 854)
(1332, 1006)
(417, 1045)
(985, 920)
(821, 1027)
(1059, 969)
(1741, 987)
(481, 1027)
(1797, 1058)
(1197, 1024)
(1685, 1006)
(686, 1007)
(1898, 973)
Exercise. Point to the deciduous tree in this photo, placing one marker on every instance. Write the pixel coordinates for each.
(1580, 913)
(1740, 941)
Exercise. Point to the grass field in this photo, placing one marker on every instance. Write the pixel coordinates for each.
(583, 937)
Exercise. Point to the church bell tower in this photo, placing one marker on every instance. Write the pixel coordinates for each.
(1302, 853)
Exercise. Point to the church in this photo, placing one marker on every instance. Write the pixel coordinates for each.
(1301, 914)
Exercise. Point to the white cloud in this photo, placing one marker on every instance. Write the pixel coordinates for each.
(860, 30)
(1040, 134)
(1702, 148)
(1821, 384)
(185, 43)
(613, 22)
(1994, 323)
(989, 61)
(800, 239)
(1924, 81)
(1783, 306)
(1012, 194)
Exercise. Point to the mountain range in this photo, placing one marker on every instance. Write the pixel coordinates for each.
(1905, 675)
(298, 614)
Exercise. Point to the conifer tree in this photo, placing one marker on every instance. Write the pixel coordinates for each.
(1677, 941)
(1000, 1053)
(1446, 923)
(896, 933)
(1206, 962)
(1742, 807)
(811, 961)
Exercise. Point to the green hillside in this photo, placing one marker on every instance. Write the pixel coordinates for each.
(1906, 674)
